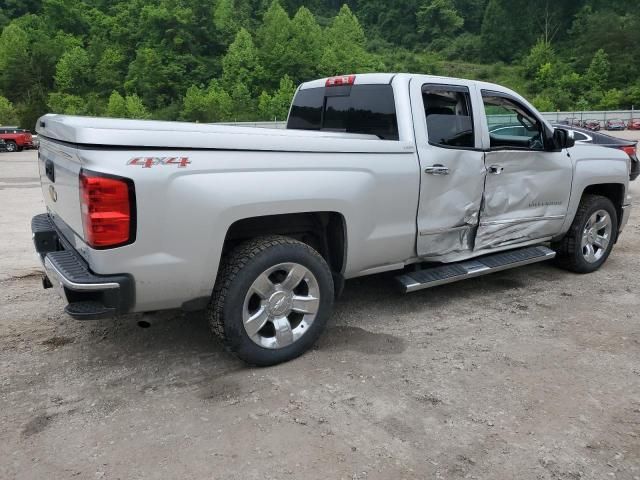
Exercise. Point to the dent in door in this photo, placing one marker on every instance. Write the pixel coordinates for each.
(518, 210)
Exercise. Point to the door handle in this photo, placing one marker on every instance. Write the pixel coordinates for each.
(437, 169)
(496, 169)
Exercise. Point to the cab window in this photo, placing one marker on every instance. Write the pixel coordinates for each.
(362, 109)
(511, 125)
(449, 116)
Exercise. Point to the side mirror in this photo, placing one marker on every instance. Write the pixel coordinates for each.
(563, 138)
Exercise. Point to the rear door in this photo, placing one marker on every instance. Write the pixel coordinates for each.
(452, 167)
(528, 183)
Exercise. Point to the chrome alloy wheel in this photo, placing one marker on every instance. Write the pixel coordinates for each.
(281, 305)
(596, 236)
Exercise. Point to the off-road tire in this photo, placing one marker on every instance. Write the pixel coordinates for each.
(238, 269)
(569, 249)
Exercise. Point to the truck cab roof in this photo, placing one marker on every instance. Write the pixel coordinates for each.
(388, 78)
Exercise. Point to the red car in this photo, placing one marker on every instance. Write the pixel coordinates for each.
(16, 138)
(593, 125)
(634, 124)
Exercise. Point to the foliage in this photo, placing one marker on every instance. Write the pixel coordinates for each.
(438, 19)
(241, 59)
(276, 106)
(8, 114)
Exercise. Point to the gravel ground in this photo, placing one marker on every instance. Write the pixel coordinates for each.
(530, 374)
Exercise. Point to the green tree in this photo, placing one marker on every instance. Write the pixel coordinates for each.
(225, 20)
(598, 73)
(110, 69)
(14, 56)
(506, 29)
(241, 64)
(438, 19)
(305, 47)
(243, 105)
(541, 53)
(68, 104)
(73, 71)
(276, 106)
(213, 104)
(611, 99)
(273, 38)
(344, 51)
(135, 107)
(156, 76)
(117, 106)
(544, 103)
(8, 114)
(130, 106)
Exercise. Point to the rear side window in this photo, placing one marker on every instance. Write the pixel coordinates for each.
(449, 116)
(364, 109)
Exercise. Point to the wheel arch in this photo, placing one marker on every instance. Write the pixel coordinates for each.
(613, 191)
(325, 231)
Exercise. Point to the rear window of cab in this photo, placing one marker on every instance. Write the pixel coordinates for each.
(362, 109)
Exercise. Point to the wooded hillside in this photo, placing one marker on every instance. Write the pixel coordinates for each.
(221, 60)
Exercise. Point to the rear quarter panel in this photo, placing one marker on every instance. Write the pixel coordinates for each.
(183, 213)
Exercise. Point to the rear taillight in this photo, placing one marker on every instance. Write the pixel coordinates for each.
(107, 204)
(631, 150)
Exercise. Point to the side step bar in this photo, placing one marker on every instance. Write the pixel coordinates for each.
(443, 274)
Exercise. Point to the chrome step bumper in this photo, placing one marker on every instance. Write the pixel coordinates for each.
(443, 274)
(89, 296)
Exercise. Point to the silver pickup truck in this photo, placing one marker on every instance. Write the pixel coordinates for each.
(261, 227)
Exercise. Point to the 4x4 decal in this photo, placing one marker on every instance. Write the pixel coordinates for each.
(148, 162)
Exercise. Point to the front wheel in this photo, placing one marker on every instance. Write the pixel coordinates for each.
(272, 300)
(589, 241)
(11, 146)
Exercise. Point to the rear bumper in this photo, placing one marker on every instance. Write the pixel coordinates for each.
(89, 296)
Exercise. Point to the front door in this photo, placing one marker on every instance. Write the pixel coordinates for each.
(528, 183)
(452, 167)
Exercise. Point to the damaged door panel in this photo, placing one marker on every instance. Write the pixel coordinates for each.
(452, 169)
(527, 186)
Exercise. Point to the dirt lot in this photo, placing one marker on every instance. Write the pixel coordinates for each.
(528, 374)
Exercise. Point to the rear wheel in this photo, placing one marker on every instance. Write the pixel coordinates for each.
(272, 300)
(11, 146)
(590, 239)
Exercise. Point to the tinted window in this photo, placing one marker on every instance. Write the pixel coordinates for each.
(306, 112)
(364, 109)
(449, 117)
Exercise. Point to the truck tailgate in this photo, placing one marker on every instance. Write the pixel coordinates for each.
(59, 167)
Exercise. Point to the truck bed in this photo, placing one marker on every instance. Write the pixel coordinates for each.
(122, 134)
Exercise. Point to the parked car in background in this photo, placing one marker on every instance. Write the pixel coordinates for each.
(593, 125)
(615, 124)
(571, 121)
(36, 141)
(634, 124)
(630, 147)
(3, 145)
(17, 139)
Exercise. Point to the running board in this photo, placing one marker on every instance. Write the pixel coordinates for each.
(443, 274)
